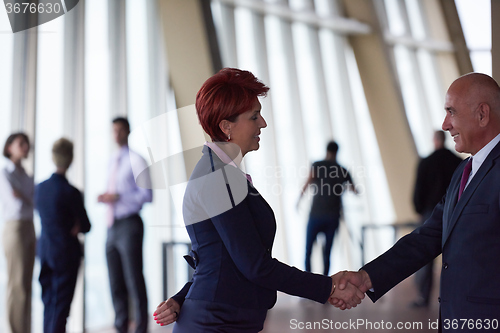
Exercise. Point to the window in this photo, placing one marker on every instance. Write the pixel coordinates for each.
(414, 54)
(6, 72)
(475, 18)
(300, 50)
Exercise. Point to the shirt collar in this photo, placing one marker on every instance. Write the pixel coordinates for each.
(122, 151)
(9, 165)
(59, 176)
(480, 156)
(222, 154)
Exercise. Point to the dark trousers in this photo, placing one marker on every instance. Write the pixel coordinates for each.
(326, 225)
(58, 288)
(124, 257)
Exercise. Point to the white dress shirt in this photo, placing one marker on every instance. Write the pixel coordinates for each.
(478, 159)
(226, 159)
(15, 178)
(131, 197)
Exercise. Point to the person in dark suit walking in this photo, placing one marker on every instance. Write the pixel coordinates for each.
(63, 217)
(433, 177)
(464, 226)
(328, 180)
(231, 226)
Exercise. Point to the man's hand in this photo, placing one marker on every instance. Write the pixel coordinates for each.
(108, 198)
(351, 296)
(167, 312)
(360, 279)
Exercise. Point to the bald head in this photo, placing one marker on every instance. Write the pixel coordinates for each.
(472, 112)
(476, 88)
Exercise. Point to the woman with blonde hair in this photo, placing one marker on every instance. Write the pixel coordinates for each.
(63, 217)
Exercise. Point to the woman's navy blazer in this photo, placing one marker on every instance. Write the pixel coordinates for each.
(232, 230)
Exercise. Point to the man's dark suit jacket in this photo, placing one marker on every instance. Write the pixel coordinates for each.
(467, 233)
(60, 206)
(433, 177)
(232, 231)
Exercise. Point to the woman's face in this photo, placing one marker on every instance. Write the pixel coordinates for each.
(245, 130)
(19, 149)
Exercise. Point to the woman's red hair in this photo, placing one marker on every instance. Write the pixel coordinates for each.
(226, 95)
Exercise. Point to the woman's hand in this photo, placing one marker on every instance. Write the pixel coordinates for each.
(167, 312)
(347, 297)
(351, 296)
(347, 280)
(76, 229)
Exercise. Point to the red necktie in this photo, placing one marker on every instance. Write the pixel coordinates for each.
(465, 177)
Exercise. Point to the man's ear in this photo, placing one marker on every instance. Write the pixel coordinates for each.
(225, 126)
(483, 113)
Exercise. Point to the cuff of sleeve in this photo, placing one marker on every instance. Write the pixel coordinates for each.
(179, 299)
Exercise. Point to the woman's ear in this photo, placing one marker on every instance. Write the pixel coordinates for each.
(225, 126)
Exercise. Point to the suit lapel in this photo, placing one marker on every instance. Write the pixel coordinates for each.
(452, 211)
(451, 199)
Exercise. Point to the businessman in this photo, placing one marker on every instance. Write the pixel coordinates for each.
(126, 231)
(464, 226)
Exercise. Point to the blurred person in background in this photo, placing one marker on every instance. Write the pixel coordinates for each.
(327, 181)
(19, 240)
(63, 217)
(433, 177)
(126, 231)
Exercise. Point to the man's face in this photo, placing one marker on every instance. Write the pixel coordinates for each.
(120, 134)
(462, 119)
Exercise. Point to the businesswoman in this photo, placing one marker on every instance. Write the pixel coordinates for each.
(231, 226)
(63, 217)
(19, 240)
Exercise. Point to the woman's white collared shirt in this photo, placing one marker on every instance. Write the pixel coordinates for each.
(12, 208)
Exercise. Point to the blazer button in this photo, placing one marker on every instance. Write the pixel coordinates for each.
(445, 266)
(439, 299)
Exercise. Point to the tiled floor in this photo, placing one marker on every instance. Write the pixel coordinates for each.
(290, 314)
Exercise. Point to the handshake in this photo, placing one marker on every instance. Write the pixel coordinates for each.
(349, 288)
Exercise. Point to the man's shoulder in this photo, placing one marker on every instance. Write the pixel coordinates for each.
(75, 192)
(442, 154)
(327, 163)
(133, 154)
(43, 184)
